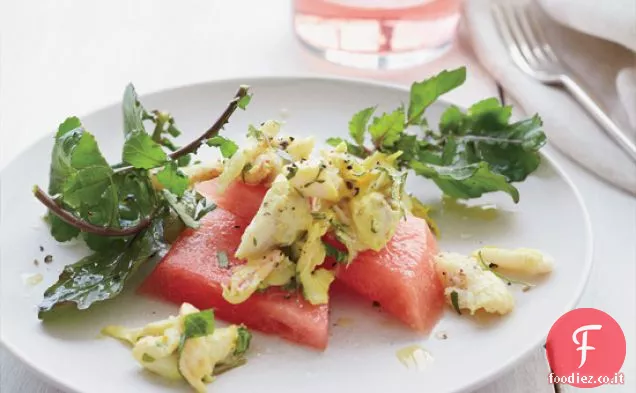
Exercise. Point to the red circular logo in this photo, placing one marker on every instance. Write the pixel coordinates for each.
(586, 348)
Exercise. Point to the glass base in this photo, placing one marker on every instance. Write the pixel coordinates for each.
(379, 61)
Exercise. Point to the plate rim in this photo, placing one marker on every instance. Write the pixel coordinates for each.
(546, 154)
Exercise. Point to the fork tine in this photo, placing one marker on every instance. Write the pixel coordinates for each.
(542, 42)
(521, 15)
(519, 36)
(504, 29)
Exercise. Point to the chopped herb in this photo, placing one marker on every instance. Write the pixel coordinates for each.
(291, 171)
(246, 168)
(48, 259)
(455, 301)
(221, 368)
(197, 325)
(147, 358)
(243, 341)
(255, 242)
(222, 259)
(338, 255)
(508, 280)
(349, 185)
(321, 168)
(318, 215)
(244, 101)
(291, 286)
(373, 228)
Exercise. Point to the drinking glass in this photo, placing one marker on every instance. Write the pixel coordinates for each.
(377, 34)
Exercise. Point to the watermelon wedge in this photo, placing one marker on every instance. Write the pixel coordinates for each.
(239, 198)
(190, 272)
(401, 276)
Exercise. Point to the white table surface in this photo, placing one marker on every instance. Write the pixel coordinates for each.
(71, 56)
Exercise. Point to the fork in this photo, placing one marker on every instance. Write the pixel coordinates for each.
(532, 53)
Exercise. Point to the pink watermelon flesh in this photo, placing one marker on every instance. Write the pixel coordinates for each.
(239, 198)
(190, 272)
(401, 277)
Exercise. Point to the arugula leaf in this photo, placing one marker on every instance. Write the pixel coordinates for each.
(386, 129)
(102, 275)
(173, 179)
(424, 93)
(473, 153)
(351, 148)
(70, 124)
(227, 147)
(60, 230)
(358, 124)
(244, 101)
(133, 112)
(195, 325)
(142, 152)
(467, 181)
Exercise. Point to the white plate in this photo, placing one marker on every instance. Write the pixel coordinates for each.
(361, 355)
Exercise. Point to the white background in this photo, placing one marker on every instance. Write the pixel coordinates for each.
(68, 57)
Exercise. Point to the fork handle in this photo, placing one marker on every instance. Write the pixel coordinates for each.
(595, 109)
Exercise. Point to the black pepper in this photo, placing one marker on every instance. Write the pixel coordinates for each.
(48, 259)
(41, 248)
(349, 185)
(349, 167)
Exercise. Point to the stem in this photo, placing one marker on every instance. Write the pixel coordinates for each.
(212, 131)
(78, 223)
(191, 147)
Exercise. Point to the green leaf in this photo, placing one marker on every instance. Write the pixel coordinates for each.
(60, 230)
(70, 124)
(424, 93)
(104, 243)
(351, 148)
(358, 124)
(173, 179)
(386, 129)
(222, 259)
(87, 186)
(338, 255)
(147, 358)
(133, 112)
(466, 181)
(455, 301)
(243, 341)
(195, 325)
(190, 208)
(227, 147)
(142, 152)
(452, 120)
(102, 275)
(244, 101)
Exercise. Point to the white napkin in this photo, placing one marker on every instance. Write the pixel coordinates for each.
(605, 66)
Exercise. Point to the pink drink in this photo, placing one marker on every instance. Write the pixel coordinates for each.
(381, 34)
